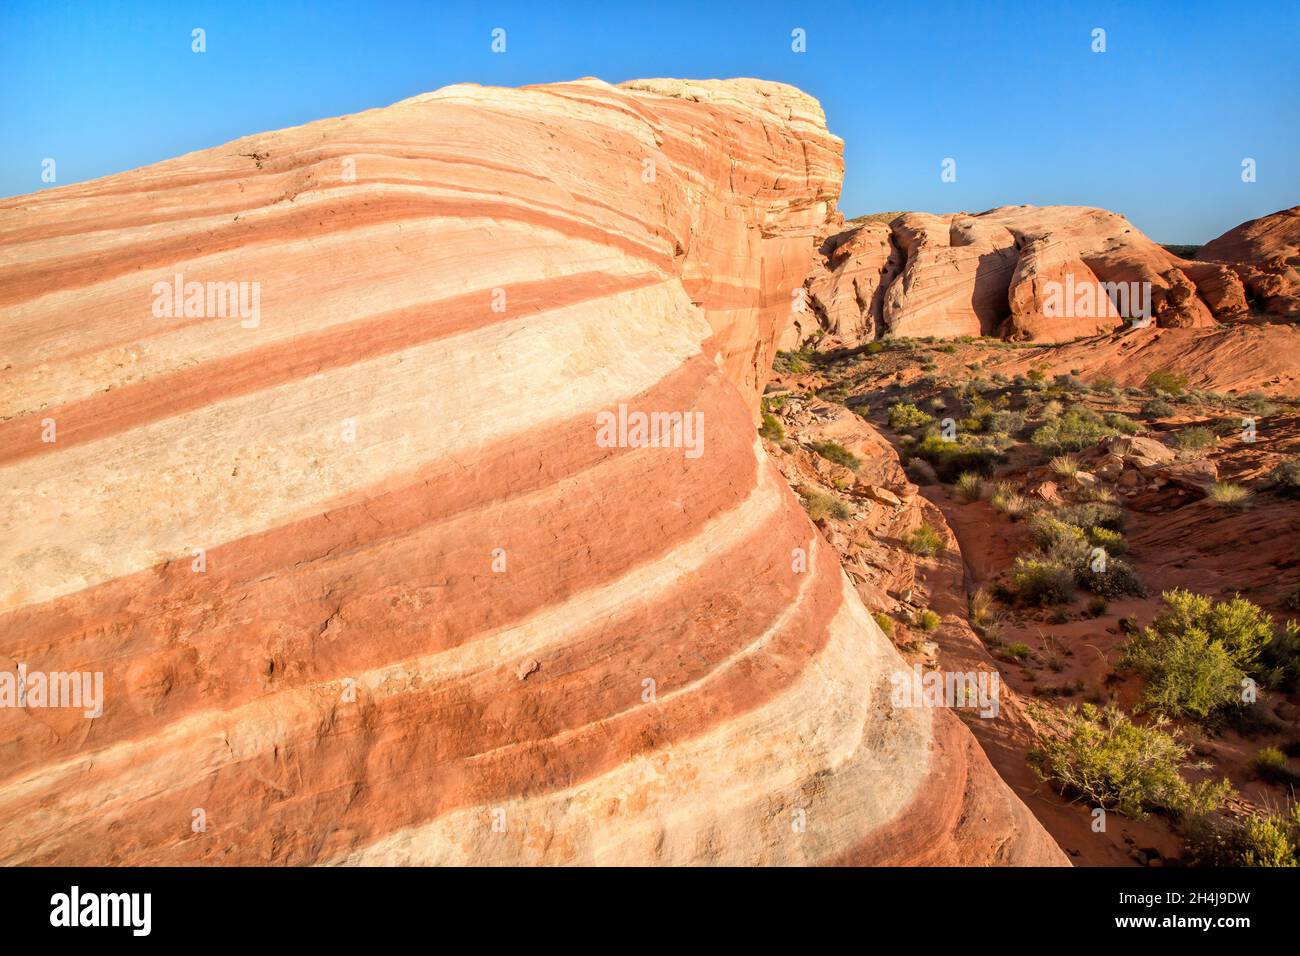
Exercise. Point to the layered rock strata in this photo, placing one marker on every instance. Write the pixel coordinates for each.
(322, 448)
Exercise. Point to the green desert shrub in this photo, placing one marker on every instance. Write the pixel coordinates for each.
(1197, 652)
(1047, 532)
(1007, 499)
(1122, 424)
(1270, 764)
(951, 458)
(1111, 578)
(1229, 494)
(884, 622)
(1195, 442)
(927, 621)
(1102, 756)
(1112, 541)
(837, 453)
(904, 416)
(1285, 478)
(793, 362)
(821, 506)
(921, 472)
(1077, 428)
(1037, 580)
(1005, 423)
(1292, 600)
(771, 429)
(1156, 408)
(1064, 466)
(1279, 661)
(1171, 383)
(1090, 514)
(970, 486)
(1066, 548)
(923, 541)
(1268, 838)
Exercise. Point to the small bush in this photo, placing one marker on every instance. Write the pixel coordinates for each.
(1114, 579)
(1106, 759)
(1195, 442)
(1112, 541)
(924, 541)
(792, 363)
(980, 608)
(1008, 499)
(1229, 494)
(951, 458)
(1017, 652)
(904, 416)
(921, 472)
(1171, 383)
(927, 621)
(1270, 764)
(1092, 514)
(1005, 423)
(1064, 466)
(1285, 478)
(884, 622)
(1042, 582)
(1292, 600)
(970, 486)
(1197, 652)
(1261, 839)
(1279, 661)
(771, 429)
(1047, 532)
(837, 453)
(1156, 408)
(1078, 428)
(1270, 840)
(821, 506)
(1122, 424)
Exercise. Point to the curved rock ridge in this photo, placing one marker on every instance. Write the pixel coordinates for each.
(1050, 273)
(1265, 254)
(377, 564)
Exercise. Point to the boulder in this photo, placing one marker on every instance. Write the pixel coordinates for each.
(401, 478)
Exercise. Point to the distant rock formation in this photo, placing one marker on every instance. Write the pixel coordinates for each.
(1265, 254)
(301, 449)
(1046, 274)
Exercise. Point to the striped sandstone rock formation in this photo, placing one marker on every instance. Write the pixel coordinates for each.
(363, 582)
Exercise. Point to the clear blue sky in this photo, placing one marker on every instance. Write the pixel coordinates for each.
(1155, 128)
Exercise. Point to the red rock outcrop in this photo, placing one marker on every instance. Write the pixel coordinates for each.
(1051, 273)
(1265, 254)
(364, 576)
